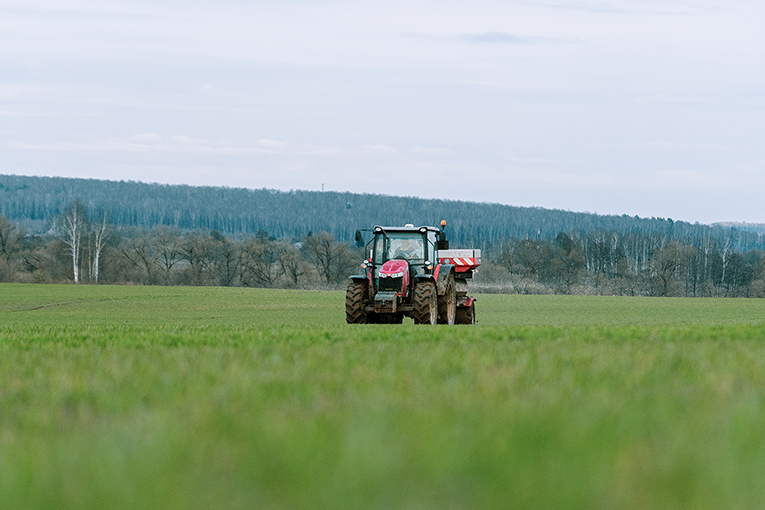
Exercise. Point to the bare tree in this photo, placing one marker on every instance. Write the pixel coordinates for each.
(667, 262)
(10, 235)
(331, 258)
(507, 255)
(532, 255)
(291, 262)
(74, 222)
(227, 257)
(97, 238)
(259, 262)
(167, 248)
(138, 250)
(213, 258)
(10, 244)
(567, 262)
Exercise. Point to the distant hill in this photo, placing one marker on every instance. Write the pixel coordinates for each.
(36, 201)
(757, 228)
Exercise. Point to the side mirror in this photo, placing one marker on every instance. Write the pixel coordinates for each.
(442, 243)
(359, 240)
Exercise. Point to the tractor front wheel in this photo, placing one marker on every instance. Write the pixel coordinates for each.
(354, 303)
(425, 303)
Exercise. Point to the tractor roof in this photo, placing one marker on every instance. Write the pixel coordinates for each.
(423, 228)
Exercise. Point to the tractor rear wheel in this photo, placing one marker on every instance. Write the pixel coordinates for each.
(447, 304)
(354, 303)
(466, 315)
(425, 303)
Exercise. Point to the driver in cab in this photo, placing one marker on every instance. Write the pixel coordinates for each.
(406, 250)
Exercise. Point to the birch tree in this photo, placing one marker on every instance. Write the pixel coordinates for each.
(96, 242)
(73, 223)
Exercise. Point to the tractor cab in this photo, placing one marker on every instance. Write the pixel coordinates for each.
(415, 246)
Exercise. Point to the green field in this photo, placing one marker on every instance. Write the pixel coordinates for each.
(178, 397)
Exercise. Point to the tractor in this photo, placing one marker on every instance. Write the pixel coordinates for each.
(411, 272)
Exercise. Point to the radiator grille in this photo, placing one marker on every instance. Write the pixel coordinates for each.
(390, 284)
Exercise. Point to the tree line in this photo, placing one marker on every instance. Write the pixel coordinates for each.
(84, 247)
(81, 249)
(239, 212)
(610, 263)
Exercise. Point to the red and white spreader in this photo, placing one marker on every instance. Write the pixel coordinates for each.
(465, 263)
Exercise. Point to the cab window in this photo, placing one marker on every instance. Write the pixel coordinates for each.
(405, 246)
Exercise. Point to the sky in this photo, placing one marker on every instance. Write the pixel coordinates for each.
(638, 107)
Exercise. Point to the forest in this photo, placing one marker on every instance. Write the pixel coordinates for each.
(82, 242)
(234, 212)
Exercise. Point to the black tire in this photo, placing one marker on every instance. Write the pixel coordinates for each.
(466, 315)
(354, 303)
(425, 302)
(447, 304)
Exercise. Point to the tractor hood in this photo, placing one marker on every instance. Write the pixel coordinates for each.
(394, 277)
(394, 268)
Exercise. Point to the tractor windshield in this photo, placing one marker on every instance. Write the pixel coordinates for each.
(396, 245)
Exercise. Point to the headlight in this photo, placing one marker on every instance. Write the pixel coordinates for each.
(383, 275)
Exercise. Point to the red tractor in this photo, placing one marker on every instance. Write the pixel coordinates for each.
(412, 272)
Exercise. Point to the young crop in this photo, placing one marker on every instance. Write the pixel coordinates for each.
(149, 397)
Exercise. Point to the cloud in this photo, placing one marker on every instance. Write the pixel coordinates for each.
(530, 160)
(494, 38)
(660, 144)
(142, 142)
(7, 113)
(96, 100)
(148, 138)
(377, 150)
(322, 150)
(543, 177)
(627, 6)
(430, 150)
(688, 179)
(273, 144)
(154, 143)
(188, 141)
(663, 99)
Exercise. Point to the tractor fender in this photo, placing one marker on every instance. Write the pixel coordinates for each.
(365, 281)
(423, 277)
(441, 274)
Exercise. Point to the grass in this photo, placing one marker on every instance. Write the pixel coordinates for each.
(157, 397)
